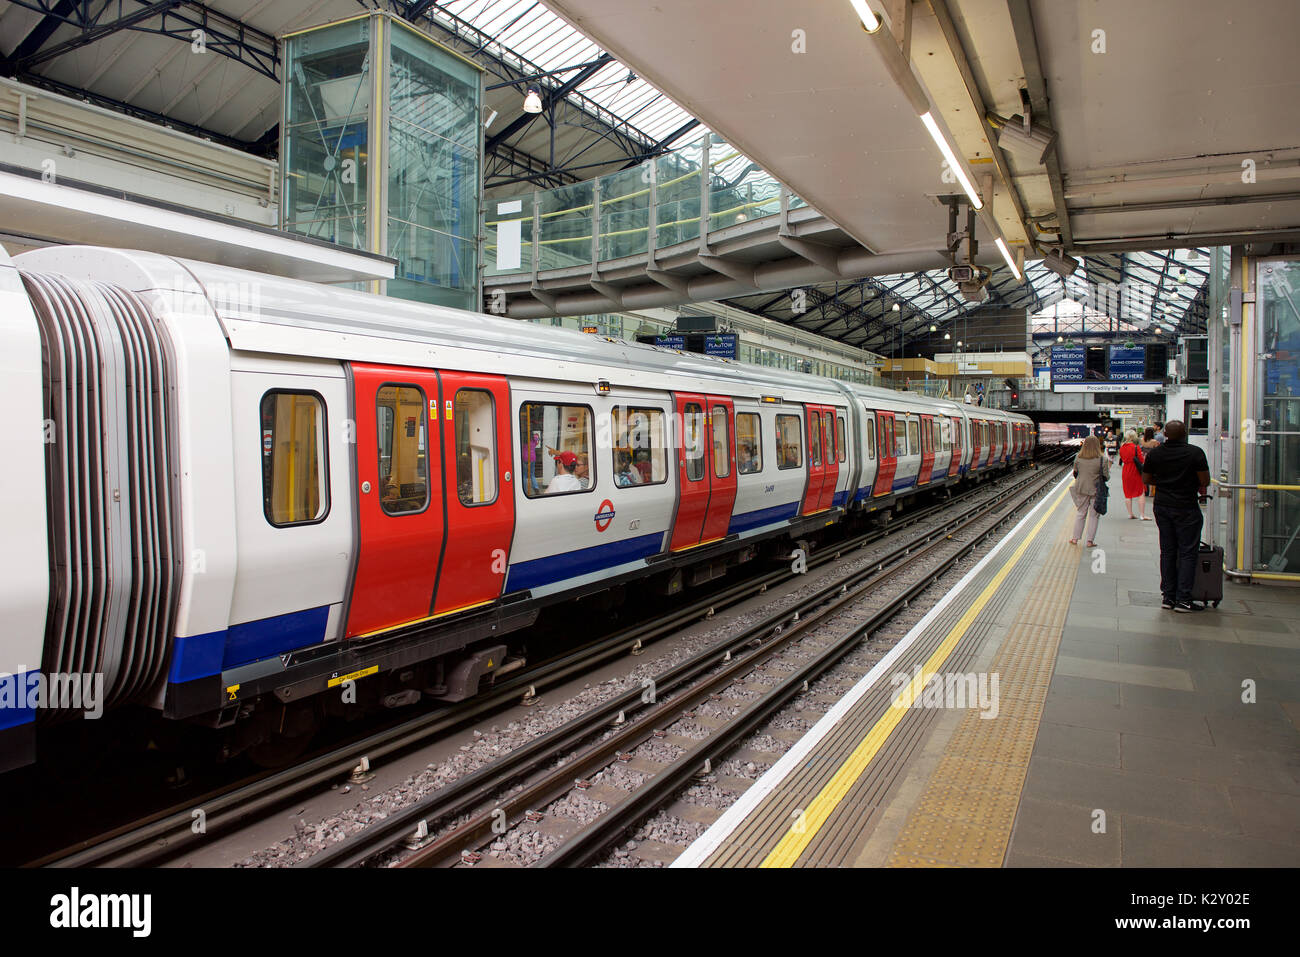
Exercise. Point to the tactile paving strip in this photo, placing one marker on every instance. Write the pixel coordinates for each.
(966, 812)
(856, 804)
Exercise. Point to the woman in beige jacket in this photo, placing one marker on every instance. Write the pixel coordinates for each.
(1087, 466)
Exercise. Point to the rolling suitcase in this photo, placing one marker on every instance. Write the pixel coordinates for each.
(1208, 584)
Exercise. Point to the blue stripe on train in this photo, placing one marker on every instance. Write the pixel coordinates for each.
(557, 568)
(840, 498)
(198, 656)
(16, 692)
(904, 483)
(763, 516)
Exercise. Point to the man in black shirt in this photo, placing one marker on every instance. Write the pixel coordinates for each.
(1180, 475)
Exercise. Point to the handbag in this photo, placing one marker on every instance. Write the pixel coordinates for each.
(1102, 494)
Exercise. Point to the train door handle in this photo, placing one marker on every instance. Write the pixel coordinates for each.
(365, 487)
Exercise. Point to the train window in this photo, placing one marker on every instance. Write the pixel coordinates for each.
(871, 438)
(828, 436)
(640, 456)
(887, 448)
(403, 456)
(476, 456)
(721, 445)
(555, 443)
(294, 486)
(693, 425)
(815, 438)
(789, 452)
(913, 437)
(839, 437)
(749, 443)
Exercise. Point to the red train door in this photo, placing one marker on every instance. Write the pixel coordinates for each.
(720, 423)
(692, 447)
(888, 459)
(975, 444)
(479, 490)
(399, 497)
(954, 463)
(927, 449)
(812, 496)
(830, 458)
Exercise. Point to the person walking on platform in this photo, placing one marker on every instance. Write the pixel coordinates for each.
(1089, 466)
(1130, 455)
(1180, 475)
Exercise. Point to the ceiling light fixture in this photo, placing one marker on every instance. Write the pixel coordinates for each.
(896, 307)
(1006, 254)
(932, 127)
(870, 22)
(532, 101)
(901, 70)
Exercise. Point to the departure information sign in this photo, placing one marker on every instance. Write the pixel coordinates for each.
(1068, 364)
(1128, 364)
(671, 342)
(723, 346)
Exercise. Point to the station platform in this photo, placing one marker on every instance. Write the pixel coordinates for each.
(1074, 722)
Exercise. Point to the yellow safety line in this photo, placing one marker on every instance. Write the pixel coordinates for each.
(801, 834)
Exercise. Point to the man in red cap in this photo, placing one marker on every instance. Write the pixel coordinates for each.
(566, 463)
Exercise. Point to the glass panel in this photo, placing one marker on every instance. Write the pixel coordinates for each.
(871, 438)
(556, 444)
(1278, 461)
(677, 175)
(738, 189)
(815, 437)
(913, 436)
(839, 437)
(476, 460)
(403, 465)
(887, 437)
(293, 458)
(694, 441)
(640, 457)
(625, 212)
(789, 451)
(432, 266)
(327, 108)
(721, 445)
(565, 226)
(749, 443)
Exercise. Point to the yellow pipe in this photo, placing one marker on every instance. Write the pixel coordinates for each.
(1246, 342)
(1275, 576)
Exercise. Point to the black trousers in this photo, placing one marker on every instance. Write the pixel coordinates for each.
(1180, 537)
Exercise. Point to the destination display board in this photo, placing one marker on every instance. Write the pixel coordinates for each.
(1128, 364)
(671, 342)
(1068, 364)
(722, 345)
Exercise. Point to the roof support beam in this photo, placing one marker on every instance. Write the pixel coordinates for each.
(552, 96)
(1022, 24)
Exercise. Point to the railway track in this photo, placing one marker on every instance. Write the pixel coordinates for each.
(169, 833)
(636, 718)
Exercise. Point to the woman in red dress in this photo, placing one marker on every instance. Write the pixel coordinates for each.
(1131, 455)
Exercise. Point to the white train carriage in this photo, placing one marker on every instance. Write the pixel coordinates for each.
(256, 489)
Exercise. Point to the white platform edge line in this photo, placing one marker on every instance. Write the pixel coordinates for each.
(708, 842)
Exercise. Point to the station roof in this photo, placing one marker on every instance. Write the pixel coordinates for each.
(1177, 121)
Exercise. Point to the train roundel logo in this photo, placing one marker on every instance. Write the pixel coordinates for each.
(604, 515)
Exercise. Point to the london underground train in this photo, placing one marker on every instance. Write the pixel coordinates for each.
(226, 493)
